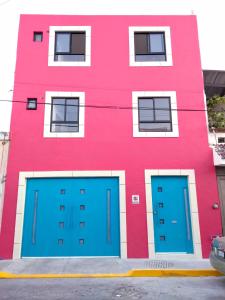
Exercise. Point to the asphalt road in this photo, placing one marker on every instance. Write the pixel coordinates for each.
(117, 288)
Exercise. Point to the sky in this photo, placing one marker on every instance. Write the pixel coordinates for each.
(210, 16)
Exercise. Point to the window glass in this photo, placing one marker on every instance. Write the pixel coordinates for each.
(63, 42)
(146, 112)
(69, 57)
(154, 114)
(155, 127)
(149, 46)
(150, 57)
(65, 115)
(72, 107)
(141, 43)
(156, 41)
(58, 109)
(78, 43)
(38, 36)
(70, 46)
(32, 103)
(64, 127)
(163, 114)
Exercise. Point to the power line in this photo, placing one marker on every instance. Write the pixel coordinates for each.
(115, 107)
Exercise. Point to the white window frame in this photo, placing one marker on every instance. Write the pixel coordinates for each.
(194, 213)
(51, 52)
(166, 30)
(23, 176)
(47, 119)
(173, 102)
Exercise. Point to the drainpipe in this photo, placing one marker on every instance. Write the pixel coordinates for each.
(3, 157)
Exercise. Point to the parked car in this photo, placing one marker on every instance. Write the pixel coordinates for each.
(217, 255)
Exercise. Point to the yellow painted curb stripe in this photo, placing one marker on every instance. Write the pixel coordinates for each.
(132, 273)
(175, 273)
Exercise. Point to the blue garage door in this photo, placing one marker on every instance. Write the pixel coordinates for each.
(171, 213)
(71, 217)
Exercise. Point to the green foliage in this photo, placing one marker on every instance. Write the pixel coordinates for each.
(216, 112)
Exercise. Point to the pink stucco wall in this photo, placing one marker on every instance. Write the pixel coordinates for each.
(108, 143)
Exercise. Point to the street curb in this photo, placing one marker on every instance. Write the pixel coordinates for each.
(132, 273)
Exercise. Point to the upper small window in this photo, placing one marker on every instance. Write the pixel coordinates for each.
(38, 36)
(69, 46)
(31, 103)
(150, 46)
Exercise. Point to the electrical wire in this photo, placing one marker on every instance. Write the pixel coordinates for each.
(115, 107)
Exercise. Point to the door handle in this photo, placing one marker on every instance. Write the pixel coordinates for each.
(156, 214)
(71, 217)
(108, 204)
(186, 214)
(34, 225)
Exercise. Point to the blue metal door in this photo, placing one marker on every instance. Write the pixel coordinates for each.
(71, 217)
(171, 214)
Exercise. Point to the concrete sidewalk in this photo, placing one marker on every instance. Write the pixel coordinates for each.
(103, 267)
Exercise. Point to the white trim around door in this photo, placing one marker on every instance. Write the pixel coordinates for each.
(23, 176)
(193, 212)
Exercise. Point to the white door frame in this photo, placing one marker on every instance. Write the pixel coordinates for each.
(193, 213)
(23, 176)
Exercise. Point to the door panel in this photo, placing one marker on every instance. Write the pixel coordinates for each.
(71, 217)
(171, 214)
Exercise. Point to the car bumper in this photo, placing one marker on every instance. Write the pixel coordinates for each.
(217, 262)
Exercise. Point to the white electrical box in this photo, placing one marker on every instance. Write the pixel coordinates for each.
(135, 199)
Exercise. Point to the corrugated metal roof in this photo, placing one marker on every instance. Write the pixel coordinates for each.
(214, 82)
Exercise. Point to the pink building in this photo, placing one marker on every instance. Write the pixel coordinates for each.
(109, 150)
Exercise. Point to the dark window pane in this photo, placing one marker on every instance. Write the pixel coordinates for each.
(155, 127)
(64, 127)
(63, 42)
(70, 57)
(38, 36)
(82, 224)
(150, 57)
(31, 103)
(141, 43)
(78, 43)
(221, 140)
(60, 241)
(72, 107)
(156, 42)
(162, 102)
(146, 112)
(62, 207)
(163, 114)
(58, 109)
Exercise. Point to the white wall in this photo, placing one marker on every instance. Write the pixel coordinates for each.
(210, 21)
